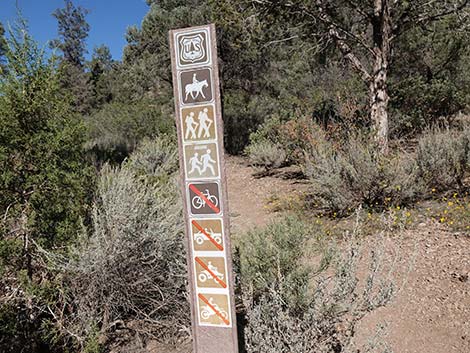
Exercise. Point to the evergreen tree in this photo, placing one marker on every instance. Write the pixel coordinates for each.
(3, 48)
(45, 187)
(365, 33)
(73, 31)
(100, 67)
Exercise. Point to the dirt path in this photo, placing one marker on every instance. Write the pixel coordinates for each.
(249, 194)
(431, 314)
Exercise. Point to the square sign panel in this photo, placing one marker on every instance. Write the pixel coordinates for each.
(207, 234)
(192, 48)
(210, 272)
(214, 309)
(196, 86)
(204, 198)
(198, 123)
(201, 161)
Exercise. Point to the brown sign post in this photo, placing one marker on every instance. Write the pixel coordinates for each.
(201, 150)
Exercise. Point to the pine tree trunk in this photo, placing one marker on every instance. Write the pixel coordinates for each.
(379, 104)
(379, 98)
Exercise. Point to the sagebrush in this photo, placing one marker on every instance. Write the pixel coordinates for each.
(292, 306)
(130, 271)
(357, 174)
(442, 159)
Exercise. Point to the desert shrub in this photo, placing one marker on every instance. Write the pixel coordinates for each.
(441, 159)
(130, 271)
(466, 141)
(292, 307)
(155, 159)
(243, 113)
(266, 154)
(273, 256)
(117, 128)
(357, 174)
(300, 134)
(293, 136)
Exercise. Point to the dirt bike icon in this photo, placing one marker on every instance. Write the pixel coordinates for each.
(207, 311)
(200, 237)
(206, 275)
(198, 202)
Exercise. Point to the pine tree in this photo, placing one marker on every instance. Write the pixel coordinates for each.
(100, 66)
(3, 48)
(73, 30)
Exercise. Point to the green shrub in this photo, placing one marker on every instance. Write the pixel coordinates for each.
(357, 174)
(466, 139)
(293, 137)
(441, 158)
(292, 307)
(419, 103)
(243, 113)
(273, 256)
(156, 160)
(266, 154)
(117, 129)
(46, 187)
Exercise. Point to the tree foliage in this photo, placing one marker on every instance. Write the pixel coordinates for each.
(3, 48)
(45, 184)
(365, 33)
(73, 30)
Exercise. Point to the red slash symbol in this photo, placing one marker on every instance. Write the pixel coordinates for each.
(205, 267)
(204, 198)
(217, 312)
(202, 230)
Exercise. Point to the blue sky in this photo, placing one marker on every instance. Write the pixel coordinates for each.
(108, 19)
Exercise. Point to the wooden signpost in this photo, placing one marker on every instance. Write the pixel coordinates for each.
(201, 150)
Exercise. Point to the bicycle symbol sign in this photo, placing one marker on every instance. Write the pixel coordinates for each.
(204, 198)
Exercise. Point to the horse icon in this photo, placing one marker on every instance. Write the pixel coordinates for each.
(195, 88)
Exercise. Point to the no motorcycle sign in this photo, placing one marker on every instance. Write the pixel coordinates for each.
(200, 132)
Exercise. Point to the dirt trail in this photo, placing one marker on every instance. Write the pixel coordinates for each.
(431, 314)
(249, 194)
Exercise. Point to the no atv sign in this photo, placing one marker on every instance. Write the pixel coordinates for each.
(200, 131)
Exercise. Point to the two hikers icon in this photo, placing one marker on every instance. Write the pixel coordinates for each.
(199, 129)
(202, 164)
